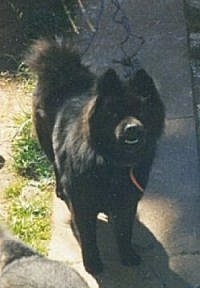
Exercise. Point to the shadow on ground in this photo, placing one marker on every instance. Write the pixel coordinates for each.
(154, 271)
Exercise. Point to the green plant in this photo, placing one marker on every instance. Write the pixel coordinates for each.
(29, 213)
(14, 190)
(26, 205)
(28, 159)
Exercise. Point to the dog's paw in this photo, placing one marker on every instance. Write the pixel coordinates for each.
(94, 267)
(131, 258)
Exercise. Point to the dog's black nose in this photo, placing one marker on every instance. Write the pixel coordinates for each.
(133, 133)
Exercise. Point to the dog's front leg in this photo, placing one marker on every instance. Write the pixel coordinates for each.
(85, 223)
(123, 219)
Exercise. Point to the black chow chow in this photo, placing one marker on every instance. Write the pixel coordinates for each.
(100, 134)
(20, 266)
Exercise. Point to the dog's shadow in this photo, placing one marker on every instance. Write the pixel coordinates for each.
(154, 270)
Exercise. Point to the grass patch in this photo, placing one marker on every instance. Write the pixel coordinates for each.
(28, 198)
(29, 212)
(29, 160)
(14, 190)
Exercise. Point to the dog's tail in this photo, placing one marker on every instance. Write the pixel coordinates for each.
(12, 249)
(59, 69)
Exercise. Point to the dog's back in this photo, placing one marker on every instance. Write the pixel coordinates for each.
(20, 266)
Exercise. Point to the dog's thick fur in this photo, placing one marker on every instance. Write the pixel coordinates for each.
(20, 266)
(95, 130)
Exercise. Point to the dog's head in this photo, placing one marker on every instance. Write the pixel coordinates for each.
(126, 118)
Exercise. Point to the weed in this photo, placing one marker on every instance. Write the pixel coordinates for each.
(29, 213)
(14, 190)
(27, 202)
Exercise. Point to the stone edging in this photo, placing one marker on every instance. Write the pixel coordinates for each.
(192, 15)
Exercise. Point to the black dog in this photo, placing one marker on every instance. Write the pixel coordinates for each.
(100, 134)
(20, 266)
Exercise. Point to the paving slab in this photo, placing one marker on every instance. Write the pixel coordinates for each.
(167, 232)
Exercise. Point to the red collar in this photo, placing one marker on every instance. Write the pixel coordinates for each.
(134, 180)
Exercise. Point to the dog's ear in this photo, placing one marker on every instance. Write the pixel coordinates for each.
(109, 85)
(143, 84)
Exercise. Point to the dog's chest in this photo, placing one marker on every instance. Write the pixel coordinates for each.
(108, 189)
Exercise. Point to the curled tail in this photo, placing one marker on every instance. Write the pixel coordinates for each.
(59, 69)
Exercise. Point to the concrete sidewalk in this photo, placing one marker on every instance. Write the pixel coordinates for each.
(167, 234)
